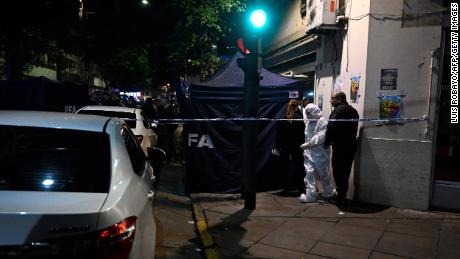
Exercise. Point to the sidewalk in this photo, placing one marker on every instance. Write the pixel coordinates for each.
(282, 227)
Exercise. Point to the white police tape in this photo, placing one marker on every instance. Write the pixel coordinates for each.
(182, 121)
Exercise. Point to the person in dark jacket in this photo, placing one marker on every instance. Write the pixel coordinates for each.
(149, 109)
(289, 136)
(165, 131)
(342, 136)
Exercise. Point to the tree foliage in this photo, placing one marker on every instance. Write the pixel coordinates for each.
(130, 43)
(200, 26)
(41, 27)
(112, 38)
(127, 67)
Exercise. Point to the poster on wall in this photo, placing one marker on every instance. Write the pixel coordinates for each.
(338, 85)
(293, 94)
(354, 89)
(390, 107)
(388, 79)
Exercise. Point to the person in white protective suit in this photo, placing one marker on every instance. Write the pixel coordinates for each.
(316, 156)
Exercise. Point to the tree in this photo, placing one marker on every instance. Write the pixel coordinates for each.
(131, 43)
(44, 26)
(128, 67)
(118, 40)
(200, 26)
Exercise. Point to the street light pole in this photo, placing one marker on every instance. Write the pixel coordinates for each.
(252, 67)
(250, 129)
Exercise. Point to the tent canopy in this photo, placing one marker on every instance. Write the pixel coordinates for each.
(228, 85)
(231, 75)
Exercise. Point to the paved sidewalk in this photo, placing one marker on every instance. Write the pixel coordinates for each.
(282, 227)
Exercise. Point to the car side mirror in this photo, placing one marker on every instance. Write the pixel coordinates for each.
(156, 156)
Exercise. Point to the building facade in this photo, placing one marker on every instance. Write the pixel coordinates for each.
(287, 49)
(389, 58)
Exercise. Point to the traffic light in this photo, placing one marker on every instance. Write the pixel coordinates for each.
(251, 65)
(258, 18)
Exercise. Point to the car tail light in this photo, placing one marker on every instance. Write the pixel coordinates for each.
(139, 138)
(116, 241)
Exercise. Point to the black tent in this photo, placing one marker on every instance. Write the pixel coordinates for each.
(214, 148)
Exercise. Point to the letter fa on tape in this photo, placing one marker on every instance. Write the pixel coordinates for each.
(203, 141)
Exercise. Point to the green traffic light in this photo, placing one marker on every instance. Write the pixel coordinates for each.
(258, 18)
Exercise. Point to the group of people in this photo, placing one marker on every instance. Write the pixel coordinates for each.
(164, 109)
(311, 140)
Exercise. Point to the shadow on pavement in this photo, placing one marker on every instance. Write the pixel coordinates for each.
(228, 197)
(361, 207)
(284, 193)
(230, 232)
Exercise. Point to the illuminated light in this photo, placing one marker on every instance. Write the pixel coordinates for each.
(258, 18)
(310, 94)
(48, 182)
(145, 2)
(23, 213)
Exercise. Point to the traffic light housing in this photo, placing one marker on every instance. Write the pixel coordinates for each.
(258, 18)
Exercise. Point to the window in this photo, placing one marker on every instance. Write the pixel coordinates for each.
(422, 13)
(303, 8)
(136, 155)
(145, 120)
(129, 117)
(43, 159)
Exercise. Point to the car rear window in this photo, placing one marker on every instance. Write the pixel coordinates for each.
(122, 115)
(44, 159)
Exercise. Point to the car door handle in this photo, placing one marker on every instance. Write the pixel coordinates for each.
(151, 194)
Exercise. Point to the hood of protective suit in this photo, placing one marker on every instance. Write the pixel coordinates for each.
(313, 111)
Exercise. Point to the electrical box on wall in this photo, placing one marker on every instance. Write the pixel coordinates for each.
(321, 14)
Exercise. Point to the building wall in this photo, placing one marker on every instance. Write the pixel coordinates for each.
(352, 50)
(396, 161)
(98, 82)
(37, 71)
(393, 163)
(342, 54)
(286, 47)
(287, 24)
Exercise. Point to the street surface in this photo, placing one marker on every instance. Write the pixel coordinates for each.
(176, 236)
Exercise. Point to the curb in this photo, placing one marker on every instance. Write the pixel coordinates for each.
(201, 225)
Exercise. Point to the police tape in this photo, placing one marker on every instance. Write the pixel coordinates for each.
(376, 120)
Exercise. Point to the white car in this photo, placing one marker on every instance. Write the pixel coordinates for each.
(73, 186)
(136, 119)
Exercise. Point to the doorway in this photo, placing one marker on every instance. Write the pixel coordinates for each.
(446, 187)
